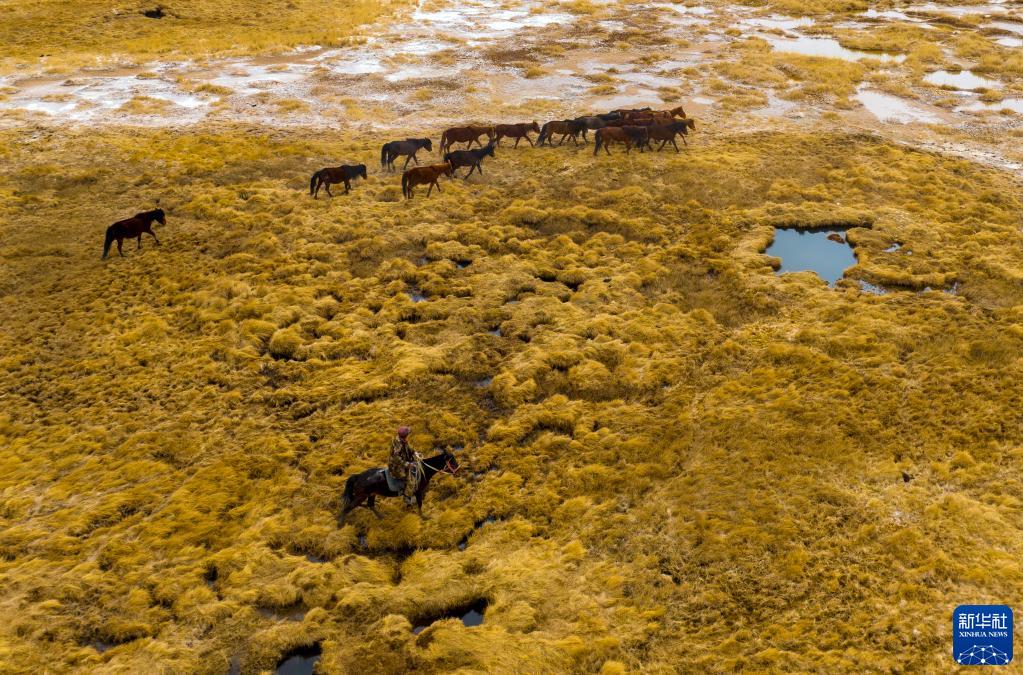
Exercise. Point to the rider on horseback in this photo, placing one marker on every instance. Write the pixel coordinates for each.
(404, 464)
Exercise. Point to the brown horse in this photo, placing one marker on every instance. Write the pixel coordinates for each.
(647, 112)
(136, 226)
(424, 175)
(470, 134)
(629, 135)
(566, 128)
(516, 131)
(665, 133)
(333, 175)
(365, 487)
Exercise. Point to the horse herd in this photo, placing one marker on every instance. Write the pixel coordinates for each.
(631, 127)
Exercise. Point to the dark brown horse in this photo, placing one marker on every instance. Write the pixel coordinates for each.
(470, 158)
(136, 226)
(592, 123)
(566, 128)
(677, 111)
(363, 488)
(424, 175)
(410, 146)
(629, 135)
(333, 175)
(665, 133)
(470, 134)
(516, 131)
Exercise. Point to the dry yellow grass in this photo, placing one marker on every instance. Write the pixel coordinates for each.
(693, 463)
(60, 34)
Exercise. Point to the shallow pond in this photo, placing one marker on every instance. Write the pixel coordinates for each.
(889, 108)
(1013, 104)
(964, 79)
(802, 250)
(1010, 26)
(299, 661)
(828, 47)
(471, 615)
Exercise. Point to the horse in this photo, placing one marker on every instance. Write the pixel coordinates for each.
(664, 116)
(665, 133)
(516, 131)
(133, 227)
(622, 112)
(470, 158)
(368, 485)
(410, 146)
(470, 134)
(591, 123)
(423, 175)
(564, 127)
(630, 135)
(333, 175)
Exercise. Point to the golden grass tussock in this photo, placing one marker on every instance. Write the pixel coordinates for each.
(674, 458)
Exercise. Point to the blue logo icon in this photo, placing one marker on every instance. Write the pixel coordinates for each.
(982, 635)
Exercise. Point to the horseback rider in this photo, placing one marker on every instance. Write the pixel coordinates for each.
(403, 464)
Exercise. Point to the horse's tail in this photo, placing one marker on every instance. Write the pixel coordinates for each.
(383, 156)
(404, 184)
(312, 182)
(597, 138)
(349, 495)
(109, 240)
(444, 141)
(543, 133)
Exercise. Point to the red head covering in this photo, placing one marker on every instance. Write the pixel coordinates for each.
(403, 432)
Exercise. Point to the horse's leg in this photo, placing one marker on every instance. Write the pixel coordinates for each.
(153, 235)
(348, 185)
(139, 244)
(676, 144)
(329, 193)
(606, 149)
(684, 141)
(372, 504)
(119, 251)
(431, 187)
(408, 158)
(517, 139)
(530, 141)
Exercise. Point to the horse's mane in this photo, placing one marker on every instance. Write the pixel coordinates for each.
(430, 460)
(146, 214)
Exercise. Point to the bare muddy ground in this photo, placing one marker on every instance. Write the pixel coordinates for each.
(730, 65)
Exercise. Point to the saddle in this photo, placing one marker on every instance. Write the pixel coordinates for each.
(398, 484)
(393, 483)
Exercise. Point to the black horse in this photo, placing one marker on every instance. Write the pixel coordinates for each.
(410, 146)
(366, 486)
(470, 158)
(133, 227)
